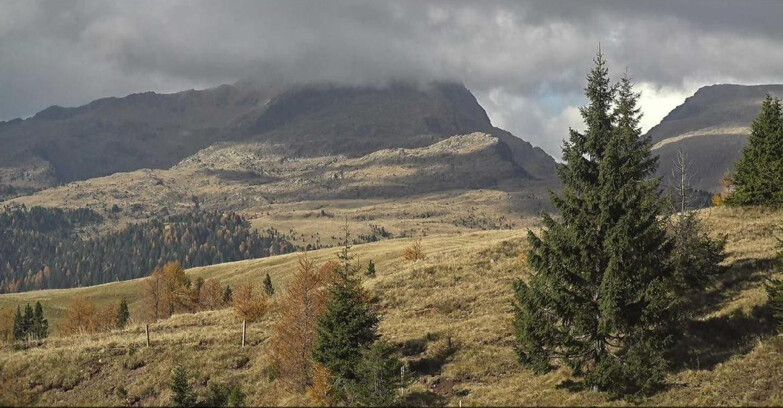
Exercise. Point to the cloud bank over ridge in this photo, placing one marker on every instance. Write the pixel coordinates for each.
(525, 61)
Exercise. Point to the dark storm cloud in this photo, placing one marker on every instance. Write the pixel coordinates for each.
(526, 62)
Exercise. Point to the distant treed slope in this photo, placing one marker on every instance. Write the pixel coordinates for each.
(40, 248)
(151, 130)
(712, 128)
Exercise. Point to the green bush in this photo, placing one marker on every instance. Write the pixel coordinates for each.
(183, 391)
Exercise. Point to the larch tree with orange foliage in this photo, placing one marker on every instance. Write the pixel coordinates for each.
(320, 392)
(294, 336)
(153, 288)
(80, 317)
(414, 252)
(168, 291)
(177, 288)
(249, 306)
(211, 295)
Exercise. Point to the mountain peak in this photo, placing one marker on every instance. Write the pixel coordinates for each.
(151, 130)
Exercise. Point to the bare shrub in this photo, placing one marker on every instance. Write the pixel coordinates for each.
(414, 252)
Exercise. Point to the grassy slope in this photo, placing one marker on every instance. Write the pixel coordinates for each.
(461, 291)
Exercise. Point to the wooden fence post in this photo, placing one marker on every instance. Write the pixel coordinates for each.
(147, 332)
(244, 331)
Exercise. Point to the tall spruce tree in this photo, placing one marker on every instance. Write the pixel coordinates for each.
(378, 377)
(268, 287)
(40, 326)
(227, 295)
(349, 324)
(599, 300)
(27, 321)
(758, 178)
(18, 324)
(182, 389)
(123, 314)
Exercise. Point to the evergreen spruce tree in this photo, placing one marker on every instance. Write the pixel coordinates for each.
(236, 397)
(218, 395)
(696, 257)
(348, 325)
(599, 300)
(378, 377)
(758, 178)
(18, 324)
(123, 314)
(268, 288)
(774, 289)
(27, 321)
(40, 325)
(183, 391)
(227, 295)
(371, 269)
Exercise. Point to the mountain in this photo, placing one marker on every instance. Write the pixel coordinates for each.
(401, 160)
(149, 130)
(711, 127)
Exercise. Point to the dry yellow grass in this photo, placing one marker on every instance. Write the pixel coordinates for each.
(450, 314)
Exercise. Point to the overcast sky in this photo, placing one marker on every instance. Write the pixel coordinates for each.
(524, 61)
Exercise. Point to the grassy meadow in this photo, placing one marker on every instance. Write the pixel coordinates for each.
(449, 314)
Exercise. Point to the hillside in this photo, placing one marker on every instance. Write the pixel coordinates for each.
(712, 128)
(156, 131)
(44, 248)
(460, 294)
(462, 182)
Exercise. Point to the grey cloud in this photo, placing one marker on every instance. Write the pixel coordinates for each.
(534, 54)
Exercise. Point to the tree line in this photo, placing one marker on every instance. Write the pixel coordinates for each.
(41, 248)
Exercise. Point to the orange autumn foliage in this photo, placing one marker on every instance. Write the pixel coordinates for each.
(82, 316)
(320, 392)
(168, 291)
(249, 306)
(414, 252)
(211, 295)
(294, 334)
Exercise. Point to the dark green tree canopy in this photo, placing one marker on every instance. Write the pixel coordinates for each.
(32, 324)
(378, 377)
(41, 247)
(598, 292)
(268, 287)
(758, 177)
(348, 326)
(123, 314)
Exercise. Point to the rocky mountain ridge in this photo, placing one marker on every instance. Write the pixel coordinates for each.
(711, 127)
(149, 130)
